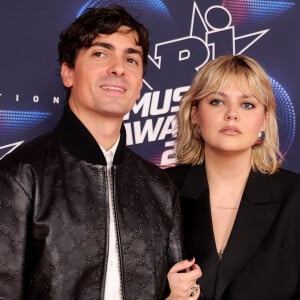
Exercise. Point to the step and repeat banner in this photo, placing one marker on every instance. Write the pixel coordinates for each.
(185, 34)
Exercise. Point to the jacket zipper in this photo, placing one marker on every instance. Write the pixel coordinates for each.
(120, 261)
(105, 175)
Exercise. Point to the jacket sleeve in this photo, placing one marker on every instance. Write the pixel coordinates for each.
(14, 213)
(175, 242)
(175, 238)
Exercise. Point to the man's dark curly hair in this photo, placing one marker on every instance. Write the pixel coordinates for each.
(95, 21)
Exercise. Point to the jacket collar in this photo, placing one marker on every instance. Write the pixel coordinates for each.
(79, 141)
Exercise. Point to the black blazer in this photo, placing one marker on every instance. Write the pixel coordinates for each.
(262, 257)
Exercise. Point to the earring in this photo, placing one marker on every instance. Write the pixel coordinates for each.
(196, 131)
(260, 138)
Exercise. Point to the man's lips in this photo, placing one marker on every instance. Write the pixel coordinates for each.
(113, 88)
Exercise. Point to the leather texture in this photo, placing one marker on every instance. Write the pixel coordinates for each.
(54, 219)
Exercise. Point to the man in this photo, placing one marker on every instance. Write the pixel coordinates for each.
(81, 215)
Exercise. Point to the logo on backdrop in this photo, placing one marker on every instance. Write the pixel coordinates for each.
(151, 126)
(173, 65)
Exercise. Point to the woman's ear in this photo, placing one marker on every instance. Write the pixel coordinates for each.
(194, 115)
(265, 122)
(67, 75)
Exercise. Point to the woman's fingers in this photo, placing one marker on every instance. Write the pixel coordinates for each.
(182, 279)
(182, 265)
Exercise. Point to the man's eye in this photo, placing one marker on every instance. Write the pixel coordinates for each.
(132, 60)
(99, 54)
(215, 102)
(248, 105)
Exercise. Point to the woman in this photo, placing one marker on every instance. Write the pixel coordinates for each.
(240, 210)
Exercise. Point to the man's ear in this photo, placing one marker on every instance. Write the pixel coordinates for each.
(67, 75)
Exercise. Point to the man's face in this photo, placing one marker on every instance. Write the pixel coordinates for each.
(107, 77)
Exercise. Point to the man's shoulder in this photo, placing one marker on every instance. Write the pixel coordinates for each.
(29, 152)
(134, 156)
(139, 164)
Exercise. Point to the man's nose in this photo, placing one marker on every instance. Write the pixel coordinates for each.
(116, 66)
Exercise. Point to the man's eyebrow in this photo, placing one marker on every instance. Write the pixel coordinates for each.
(102, 44)
(111, 47)
(134, 51)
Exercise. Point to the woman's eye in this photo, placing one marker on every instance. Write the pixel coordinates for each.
(248, 105)
(215, 102)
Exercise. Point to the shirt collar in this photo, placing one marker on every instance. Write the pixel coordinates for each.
(110, 153)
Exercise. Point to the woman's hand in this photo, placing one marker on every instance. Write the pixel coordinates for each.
(182, 279)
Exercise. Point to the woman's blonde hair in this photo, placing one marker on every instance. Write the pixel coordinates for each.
(266, 157)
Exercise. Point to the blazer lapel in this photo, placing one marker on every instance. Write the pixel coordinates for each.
(255, 216)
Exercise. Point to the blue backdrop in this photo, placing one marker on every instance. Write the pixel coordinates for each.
(184, 35)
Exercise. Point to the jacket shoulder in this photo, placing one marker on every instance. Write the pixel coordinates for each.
(178, 173)
(145, 167)
(285, 183)
(29, 153)
(286, 178)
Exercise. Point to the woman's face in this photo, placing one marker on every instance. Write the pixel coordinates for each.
(230, 119)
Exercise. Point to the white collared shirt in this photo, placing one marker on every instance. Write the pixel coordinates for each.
(113, 278)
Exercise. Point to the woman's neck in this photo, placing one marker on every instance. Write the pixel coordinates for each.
(227, 177)
(228, 166)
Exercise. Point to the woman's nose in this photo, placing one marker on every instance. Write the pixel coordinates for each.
(231, 116)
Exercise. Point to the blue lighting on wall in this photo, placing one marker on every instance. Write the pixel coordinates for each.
(286, 116)
(145, 6)
(16, 120)
(256, 10)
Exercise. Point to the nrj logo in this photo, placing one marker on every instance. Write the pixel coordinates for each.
(171, 69)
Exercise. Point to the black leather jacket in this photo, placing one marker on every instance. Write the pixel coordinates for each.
(54, 219)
